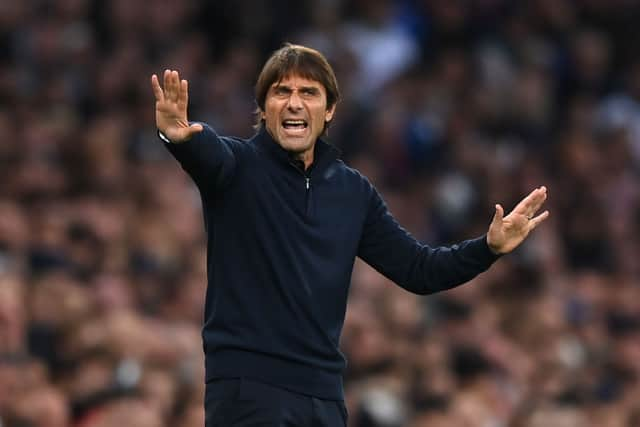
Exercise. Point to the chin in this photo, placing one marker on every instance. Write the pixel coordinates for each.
(296, 146)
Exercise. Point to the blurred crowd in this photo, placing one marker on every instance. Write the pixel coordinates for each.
(450, 106)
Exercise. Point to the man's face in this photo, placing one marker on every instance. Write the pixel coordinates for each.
(296, 112)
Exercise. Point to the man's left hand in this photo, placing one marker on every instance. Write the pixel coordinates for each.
(507, 232)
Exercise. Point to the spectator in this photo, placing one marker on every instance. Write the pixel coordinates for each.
(101, 248)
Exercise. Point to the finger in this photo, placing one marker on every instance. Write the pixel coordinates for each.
(175, 77)
(170, 90)
(157, 90)
(534, 222)
(195, 128)
(175, 86)
(168, 86)
(538, 201)
(498, 215)
(183, 96)
(530, 204)
(187, 133)
(529, 200)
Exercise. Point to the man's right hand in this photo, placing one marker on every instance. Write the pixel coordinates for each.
(171, 107)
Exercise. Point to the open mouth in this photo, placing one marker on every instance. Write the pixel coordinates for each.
(294, 124)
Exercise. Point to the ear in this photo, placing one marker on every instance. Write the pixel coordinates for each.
(329, 113)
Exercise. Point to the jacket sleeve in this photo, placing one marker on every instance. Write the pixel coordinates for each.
(418, 268)
(207, 158)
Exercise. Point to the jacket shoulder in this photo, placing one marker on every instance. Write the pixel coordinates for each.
(354, 176)
(236, 144)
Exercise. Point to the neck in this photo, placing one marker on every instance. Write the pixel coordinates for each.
(305, 157)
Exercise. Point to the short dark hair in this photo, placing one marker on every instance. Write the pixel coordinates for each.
(293, 59)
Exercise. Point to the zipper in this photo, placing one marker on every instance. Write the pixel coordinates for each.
(307, 178)
(307, 197)
(307, 186)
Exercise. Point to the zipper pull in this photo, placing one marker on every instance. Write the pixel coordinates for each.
(307, 180)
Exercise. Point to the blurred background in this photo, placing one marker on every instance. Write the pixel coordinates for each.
(450, 106)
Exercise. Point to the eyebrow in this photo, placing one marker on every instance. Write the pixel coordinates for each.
(311, 89)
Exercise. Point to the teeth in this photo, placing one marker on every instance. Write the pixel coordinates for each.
(294, 123)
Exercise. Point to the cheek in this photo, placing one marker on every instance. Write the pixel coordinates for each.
(320, 116)
(271, 109)
(270, 116)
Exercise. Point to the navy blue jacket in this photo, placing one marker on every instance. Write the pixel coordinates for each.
(281, 247)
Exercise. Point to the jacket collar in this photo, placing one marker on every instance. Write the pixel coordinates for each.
(324, 152)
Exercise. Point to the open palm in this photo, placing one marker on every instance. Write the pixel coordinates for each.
(507, 232)
(171, 107)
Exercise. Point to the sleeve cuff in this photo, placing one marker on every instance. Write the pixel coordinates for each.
(492, 256)
(163, 137)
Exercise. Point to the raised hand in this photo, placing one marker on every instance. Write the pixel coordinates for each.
(171, 107)
(507, 232)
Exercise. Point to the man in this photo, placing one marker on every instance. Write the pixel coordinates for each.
(285, 220)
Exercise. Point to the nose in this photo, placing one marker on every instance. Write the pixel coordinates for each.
(295, 103)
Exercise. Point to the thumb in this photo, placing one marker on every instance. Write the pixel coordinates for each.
(192, 130)
(195, 128)
(497, 217)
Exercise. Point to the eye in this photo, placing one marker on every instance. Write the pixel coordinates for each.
(281, 91)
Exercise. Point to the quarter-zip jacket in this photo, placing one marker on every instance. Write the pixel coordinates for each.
(281, 244)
